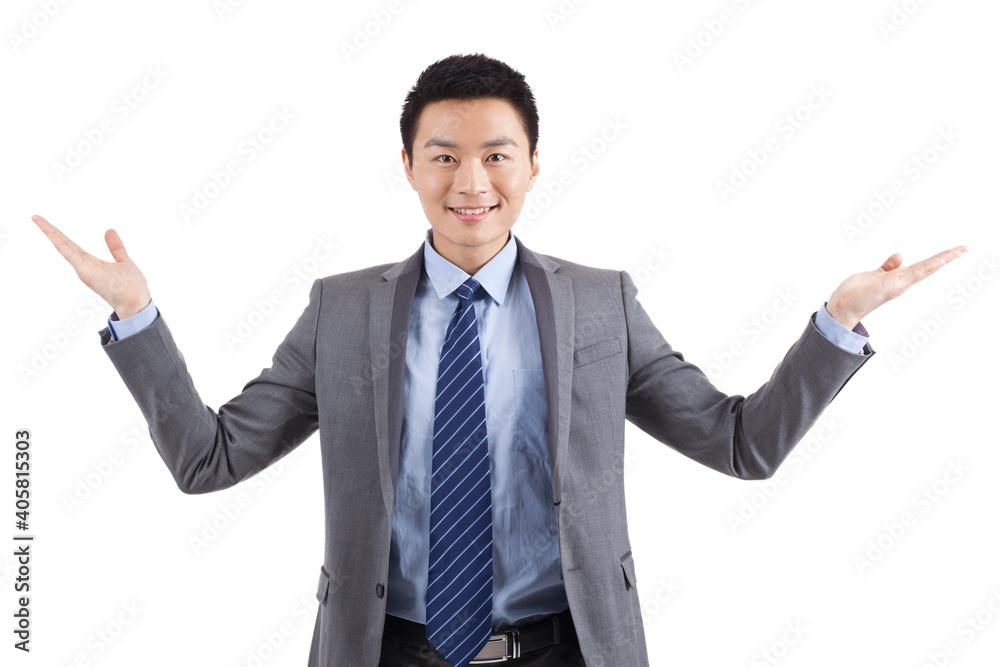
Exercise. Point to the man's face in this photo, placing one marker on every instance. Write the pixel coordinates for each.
(467, 156)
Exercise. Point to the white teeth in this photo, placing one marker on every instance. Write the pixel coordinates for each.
(472, 211)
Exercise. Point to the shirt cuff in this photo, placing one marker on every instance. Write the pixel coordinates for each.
(838, 334)
(130, 325)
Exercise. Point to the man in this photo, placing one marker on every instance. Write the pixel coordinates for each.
(471, 402)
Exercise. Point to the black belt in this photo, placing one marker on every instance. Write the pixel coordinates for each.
(502, 646)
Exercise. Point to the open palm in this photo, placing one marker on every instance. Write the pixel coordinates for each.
(863, 292)
(120, 282)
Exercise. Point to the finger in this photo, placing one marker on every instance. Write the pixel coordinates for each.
(920, 270)
(954, 253)
(72, 252)
(115, 245)
(935, 262)
(892, 263)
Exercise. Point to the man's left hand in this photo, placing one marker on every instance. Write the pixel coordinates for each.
(864, 292)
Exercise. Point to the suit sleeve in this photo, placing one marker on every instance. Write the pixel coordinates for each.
(207, 450)
(674, 401)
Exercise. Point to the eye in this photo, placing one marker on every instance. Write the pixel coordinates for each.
(444, 158)
(498, 155)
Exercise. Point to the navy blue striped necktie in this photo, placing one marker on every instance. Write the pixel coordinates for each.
(460, 573)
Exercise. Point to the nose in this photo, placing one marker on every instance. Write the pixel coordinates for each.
(471, 178)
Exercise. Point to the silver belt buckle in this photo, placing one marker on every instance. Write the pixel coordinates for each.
(499, 648)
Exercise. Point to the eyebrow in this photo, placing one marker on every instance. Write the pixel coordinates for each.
(447, 143)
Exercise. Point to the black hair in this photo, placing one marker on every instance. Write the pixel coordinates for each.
(469, 77)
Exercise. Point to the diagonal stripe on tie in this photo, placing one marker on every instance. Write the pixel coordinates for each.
(460, 570)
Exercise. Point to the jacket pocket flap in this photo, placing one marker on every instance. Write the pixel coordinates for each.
(324, 585)
(628, 567)
(596, 352)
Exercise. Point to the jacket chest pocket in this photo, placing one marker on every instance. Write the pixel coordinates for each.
(596, 352)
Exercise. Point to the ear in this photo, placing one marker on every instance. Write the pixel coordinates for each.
(407, 170)
(534, 172)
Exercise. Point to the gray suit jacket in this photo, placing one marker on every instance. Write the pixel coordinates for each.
(340, 369)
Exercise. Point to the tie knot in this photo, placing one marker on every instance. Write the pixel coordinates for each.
(468, 289)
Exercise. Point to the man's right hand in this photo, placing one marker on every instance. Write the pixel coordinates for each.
(120, 283)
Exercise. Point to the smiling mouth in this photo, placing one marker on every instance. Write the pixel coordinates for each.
(473, 211)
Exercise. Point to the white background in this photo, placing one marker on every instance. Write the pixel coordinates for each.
(662, 135)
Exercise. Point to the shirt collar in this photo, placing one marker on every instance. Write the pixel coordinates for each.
(494, 276)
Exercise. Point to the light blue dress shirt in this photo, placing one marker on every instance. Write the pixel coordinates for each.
(527, 579)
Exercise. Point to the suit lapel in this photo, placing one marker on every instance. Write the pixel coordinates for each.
(388, 326)
(552, 295)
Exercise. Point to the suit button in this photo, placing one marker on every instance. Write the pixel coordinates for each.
(379, 590)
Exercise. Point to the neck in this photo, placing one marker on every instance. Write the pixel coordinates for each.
(469, 259)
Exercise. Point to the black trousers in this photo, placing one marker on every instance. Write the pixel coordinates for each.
(398, 653)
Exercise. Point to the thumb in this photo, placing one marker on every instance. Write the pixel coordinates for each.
(894, 262)
(116, 246)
